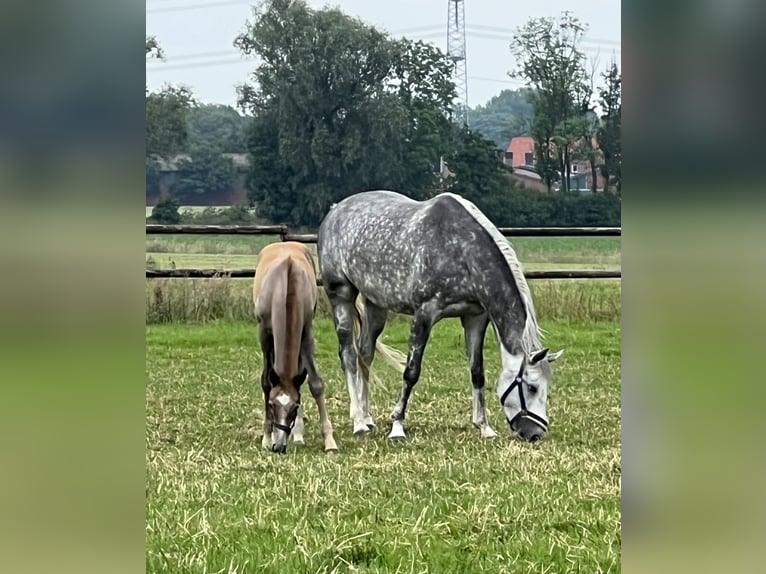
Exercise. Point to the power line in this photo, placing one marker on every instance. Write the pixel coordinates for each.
(187, 7)
(221, 62)
(425, 28)
(513, 31)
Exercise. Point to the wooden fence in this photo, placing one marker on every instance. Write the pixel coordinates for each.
(285, 235)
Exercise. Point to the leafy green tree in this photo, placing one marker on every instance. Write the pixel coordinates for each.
(609, 140)
(207, 171)
(478, 173)
(213, 126)
(552, 63)
(338, 107)
(166, 113)
(505, 116)
(166, 125)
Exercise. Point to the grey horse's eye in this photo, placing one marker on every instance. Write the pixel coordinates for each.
(533, 389)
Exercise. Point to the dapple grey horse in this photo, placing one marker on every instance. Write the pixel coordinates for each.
(432, 259)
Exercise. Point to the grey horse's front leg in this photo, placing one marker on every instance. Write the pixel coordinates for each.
(421, 329)
(475, 328)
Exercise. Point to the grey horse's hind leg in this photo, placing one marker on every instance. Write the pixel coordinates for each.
(372, 326)
(342, 297)
(316, 385)
(421, 329)
(475, 327)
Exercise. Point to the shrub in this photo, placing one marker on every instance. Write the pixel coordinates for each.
(165, 212)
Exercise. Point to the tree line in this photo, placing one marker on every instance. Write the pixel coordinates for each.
(336, 106)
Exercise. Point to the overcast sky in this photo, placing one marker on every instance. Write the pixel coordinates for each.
(197, 36)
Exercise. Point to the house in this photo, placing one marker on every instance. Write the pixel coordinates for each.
(520, 155)
(520, 152)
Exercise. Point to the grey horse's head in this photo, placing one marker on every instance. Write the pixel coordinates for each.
(523, 393)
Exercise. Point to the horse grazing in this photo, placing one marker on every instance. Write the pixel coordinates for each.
(285, 297)
(433, 259)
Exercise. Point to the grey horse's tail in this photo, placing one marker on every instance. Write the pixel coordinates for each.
(391, 356)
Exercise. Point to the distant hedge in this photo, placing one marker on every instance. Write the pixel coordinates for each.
(525, 208)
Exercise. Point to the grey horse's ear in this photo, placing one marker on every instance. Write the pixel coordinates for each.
(537, 357)
(553, 356)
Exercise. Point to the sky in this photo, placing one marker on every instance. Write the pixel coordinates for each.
(197, 38)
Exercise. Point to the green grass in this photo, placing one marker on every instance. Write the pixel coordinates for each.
(443, 501)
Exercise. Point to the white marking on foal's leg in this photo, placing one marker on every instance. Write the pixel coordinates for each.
(299, 428)
(397, 431)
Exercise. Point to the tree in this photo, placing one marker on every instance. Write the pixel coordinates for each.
(608, 133)
(213, 126)
(477, 171)
(166, 125)
(153, 49)
(338, 107)
(166, 131)
(505, 116)
(206, 172)
(552, 64)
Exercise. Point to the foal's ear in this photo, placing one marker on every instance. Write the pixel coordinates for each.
(299, 379)
(553, 356)
(273, 378)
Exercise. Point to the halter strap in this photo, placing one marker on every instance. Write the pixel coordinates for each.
(286, 429)
(518, 384)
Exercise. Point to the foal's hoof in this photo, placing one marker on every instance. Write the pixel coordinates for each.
(361, 429)
(331, 447)
(397, 431)
(369, 422)
(488, 432)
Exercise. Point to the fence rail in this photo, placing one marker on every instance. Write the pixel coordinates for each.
(243, 273)
(285, 235)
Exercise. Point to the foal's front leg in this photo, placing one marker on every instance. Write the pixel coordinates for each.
(266, 386)
(267, 344)
(317, 390)
(421, 329)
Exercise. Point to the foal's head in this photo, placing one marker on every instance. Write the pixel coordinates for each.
(524, 395)
(283, 405)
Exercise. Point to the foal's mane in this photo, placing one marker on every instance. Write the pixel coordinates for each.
(532, 336)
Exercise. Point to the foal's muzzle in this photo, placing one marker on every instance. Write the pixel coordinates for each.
(282, 448)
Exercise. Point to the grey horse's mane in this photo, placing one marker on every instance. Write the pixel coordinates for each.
(532, 336)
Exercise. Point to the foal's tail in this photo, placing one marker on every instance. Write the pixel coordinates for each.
(394, 358)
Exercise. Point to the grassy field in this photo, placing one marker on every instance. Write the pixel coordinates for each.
(443, 501)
